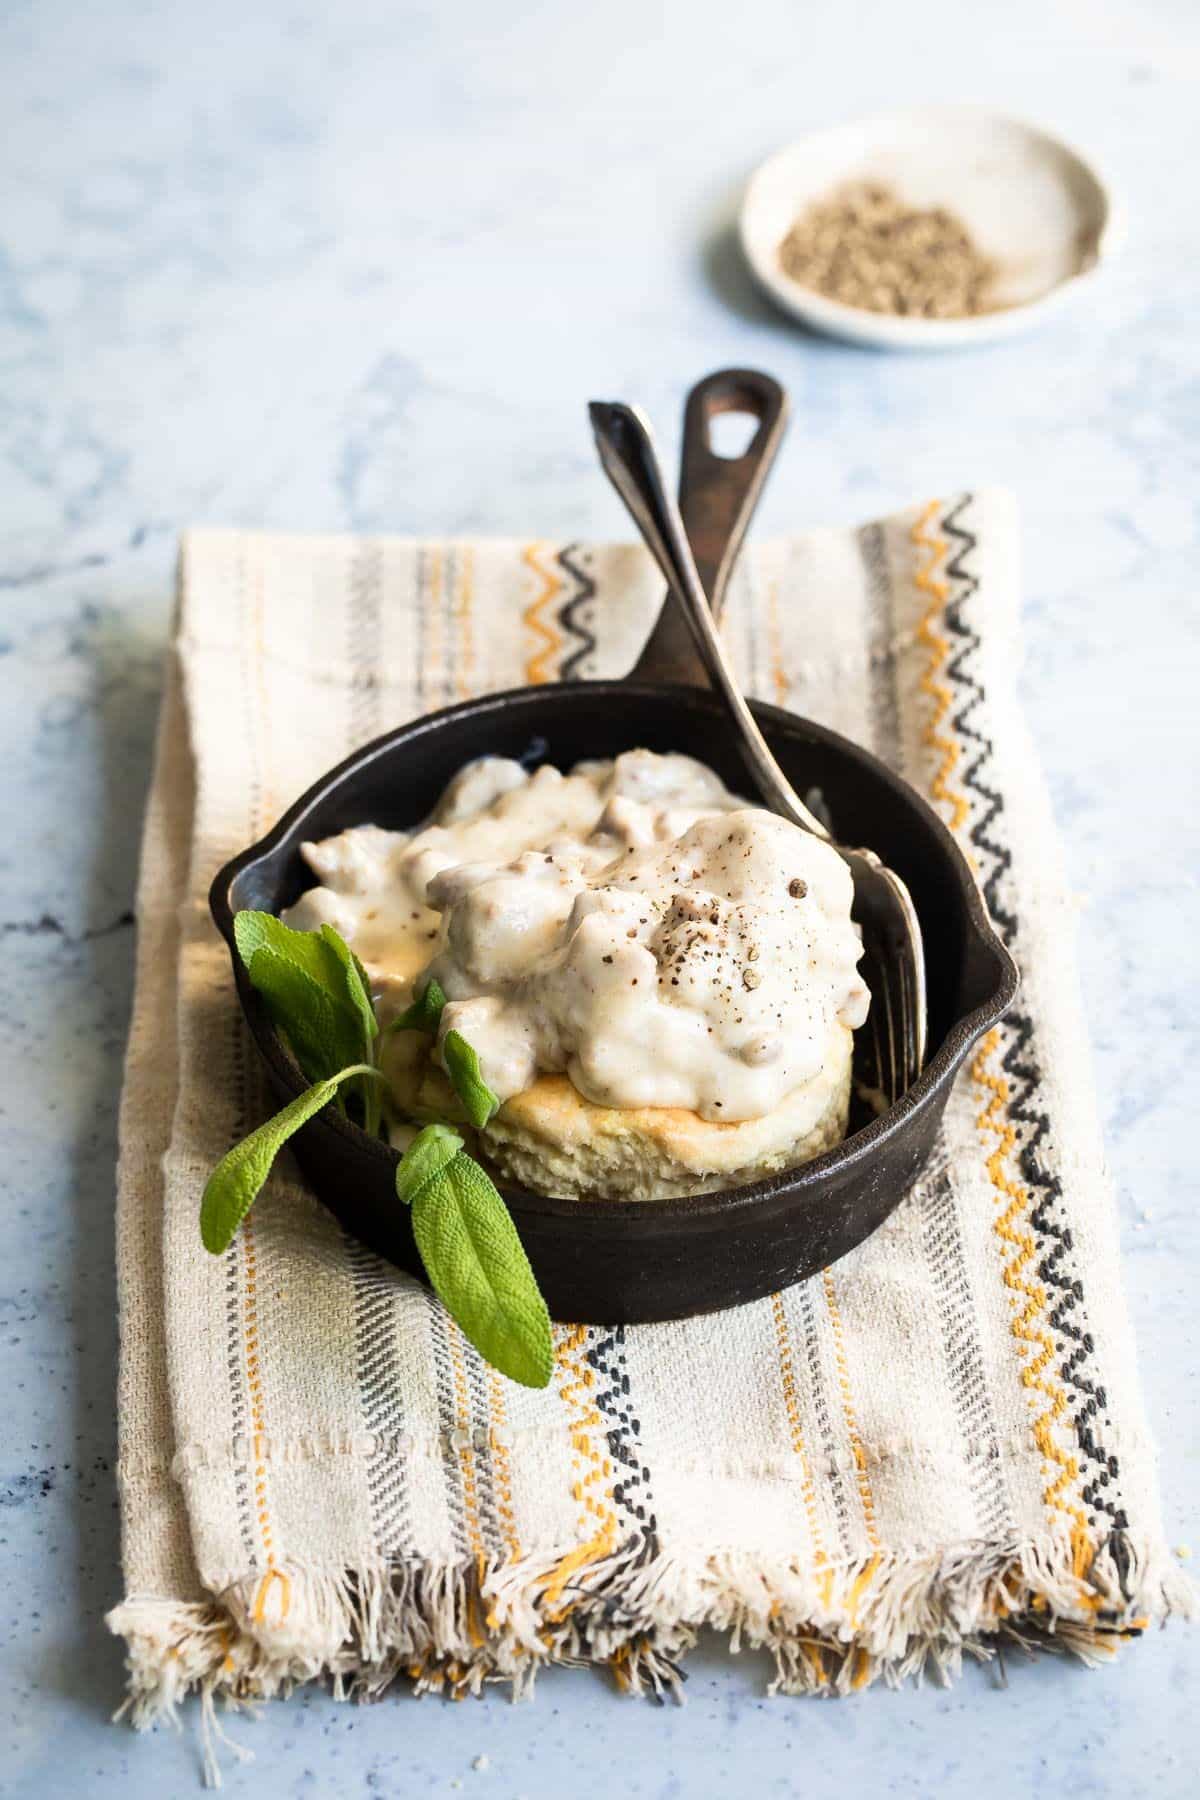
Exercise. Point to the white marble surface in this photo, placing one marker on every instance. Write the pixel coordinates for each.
(360, 266)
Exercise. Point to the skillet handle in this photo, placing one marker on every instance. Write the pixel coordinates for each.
(717, 496)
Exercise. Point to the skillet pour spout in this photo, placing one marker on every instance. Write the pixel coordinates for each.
(623, 1262)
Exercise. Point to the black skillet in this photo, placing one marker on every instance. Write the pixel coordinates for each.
(614, 1261)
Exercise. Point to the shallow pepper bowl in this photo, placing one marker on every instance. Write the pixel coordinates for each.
(618, 1261)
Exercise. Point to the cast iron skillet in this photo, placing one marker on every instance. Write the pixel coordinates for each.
(612, 1261)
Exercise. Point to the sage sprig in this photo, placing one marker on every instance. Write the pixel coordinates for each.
(238, 1178)
(318, 996)
(319, 999)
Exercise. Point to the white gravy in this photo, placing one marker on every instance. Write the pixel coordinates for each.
(633, 924)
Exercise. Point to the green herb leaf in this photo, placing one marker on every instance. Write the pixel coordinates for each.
(237, 1180)
(254, 930)
(317, 993)
(475, 1260)
(319, 997)
(425, 1159)
(462, 1066)
(324, 1035)
(251, 930)
(323, 956)
(357, 984)
(425, 1012)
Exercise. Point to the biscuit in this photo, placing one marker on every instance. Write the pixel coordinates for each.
(551, 1140)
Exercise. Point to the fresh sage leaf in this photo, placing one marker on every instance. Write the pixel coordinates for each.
(425, 1012)
(255, 930)
(318, 995)
(323, 1035)
(356, 991)
(322, 955)
(479, 1270)
(425, 1159)
(357, 985)
(237, 1180)
(251, 930)
(462, 1066)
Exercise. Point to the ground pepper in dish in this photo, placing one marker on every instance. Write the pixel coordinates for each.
(864, 247)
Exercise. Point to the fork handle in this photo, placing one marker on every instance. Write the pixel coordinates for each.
(717, 496)
(630, 460)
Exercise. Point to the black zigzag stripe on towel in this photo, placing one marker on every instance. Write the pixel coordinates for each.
(1101, 1470)
(568, 617)
(1067, 1291)
(995, 857)
(631, 1490)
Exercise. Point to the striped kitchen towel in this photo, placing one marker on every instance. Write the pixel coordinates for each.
(932, 1446)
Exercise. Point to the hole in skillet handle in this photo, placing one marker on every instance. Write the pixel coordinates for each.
(730, 434)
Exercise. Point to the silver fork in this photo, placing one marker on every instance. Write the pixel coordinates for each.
(893, 955)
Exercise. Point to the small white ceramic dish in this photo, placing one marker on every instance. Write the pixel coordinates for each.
(1031, 203)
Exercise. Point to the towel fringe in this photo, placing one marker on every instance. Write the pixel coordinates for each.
(831, 1628)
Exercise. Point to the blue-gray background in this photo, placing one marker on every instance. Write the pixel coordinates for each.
(359, 266)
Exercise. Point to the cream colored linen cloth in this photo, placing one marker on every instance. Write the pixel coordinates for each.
(936, 1443)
